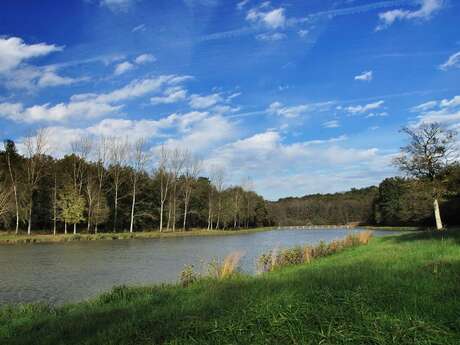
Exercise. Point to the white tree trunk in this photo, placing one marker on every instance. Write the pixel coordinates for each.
(131, 225)
(161, 215)
(437, 215)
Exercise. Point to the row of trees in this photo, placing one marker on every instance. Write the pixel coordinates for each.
(108, 184)
(429, 190)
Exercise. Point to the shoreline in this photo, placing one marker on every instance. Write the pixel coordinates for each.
(11, 238)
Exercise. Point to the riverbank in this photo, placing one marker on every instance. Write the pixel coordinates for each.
(396, 290)
(11, 238)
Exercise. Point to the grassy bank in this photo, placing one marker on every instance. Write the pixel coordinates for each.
(11, 238)
(396, 290)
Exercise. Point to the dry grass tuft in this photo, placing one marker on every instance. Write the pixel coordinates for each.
(226, 268)
(306, 254)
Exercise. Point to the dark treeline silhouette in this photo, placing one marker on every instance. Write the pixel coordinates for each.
(397, 201)
(105, 185)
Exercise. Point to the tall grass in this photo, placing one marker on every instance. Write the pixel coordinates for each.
(305, 254)
(217, 269)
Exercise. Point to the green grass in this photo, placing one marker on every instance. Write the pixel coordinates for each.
(397, 290)
(40, 237)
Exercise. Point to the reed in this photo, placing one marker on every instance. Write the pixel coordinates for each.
(305, 254)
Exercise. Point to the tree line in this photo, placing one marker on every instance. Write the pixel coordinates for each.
(109, 184)
(427, 195)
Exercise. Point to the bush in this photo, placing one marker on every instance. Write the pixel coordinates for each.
(188, 276)
(299, 255)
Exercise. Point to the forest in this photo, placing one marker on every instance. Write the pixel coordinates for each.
(106, 185)
(111, 185)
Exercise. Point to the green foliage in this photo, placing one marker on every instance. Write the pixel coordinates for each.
(188, 276)
(71, 205)
(400, 290)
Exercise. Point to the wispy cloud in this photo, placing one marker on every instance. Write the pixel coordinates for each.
(452, 62)
(365, 76)
(331, 124)
(361, 109)
(427, 9)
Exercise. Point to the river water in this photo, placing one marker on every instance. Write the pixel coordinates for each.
(58, 273)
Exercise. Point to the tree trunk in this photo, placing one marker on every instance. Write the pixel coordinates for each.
(29, 226)
(17, 208)
(115, 210)
(65, 228)
(161, 215)
(437, 215)
(75, 229)
(131, 225)
(185, 216)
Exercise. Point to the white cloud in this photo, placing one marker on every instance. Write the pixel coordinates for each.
(331, 124)
(139, 28)
(295, 111)
(117, 5)
(425, 106)
(425, 12)
(361, 109)
(303, 33)
(446, 111)
(282, 169)
(59, 112)
(273, 19)
(87, 105)
(171, 95)
(447, 103)
(270, 37)
(202, 102)
(242, 4)
(13, 51)
(365, 76)
(145, 58)
(123, 67)
(452, 62)
(204, 134)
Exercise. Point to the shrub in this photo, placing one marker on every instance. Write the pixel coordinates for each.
(227, 268)
(298, 255)
(188, 276)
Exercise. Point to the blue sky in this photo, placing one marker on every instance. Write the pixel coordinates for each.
(300, 96)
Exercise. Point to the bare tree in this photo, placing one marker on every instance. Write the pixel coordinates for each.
(192, 167)
(10, 150)
(118, 150)
(176, 165)
(218, 177)
(102, 153)
(35, 150)
(165, 180)
(430, 151)
(138, 161)
(81, 150)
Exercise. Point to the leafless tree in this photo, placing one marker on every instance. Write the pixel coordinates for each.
(81, 150)
(431, 149)
(165, 180)
(218, 177)
(176, 165)
(139, 158)
(102, 153)
(36, 147)
(192, 168)
(118, 152)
